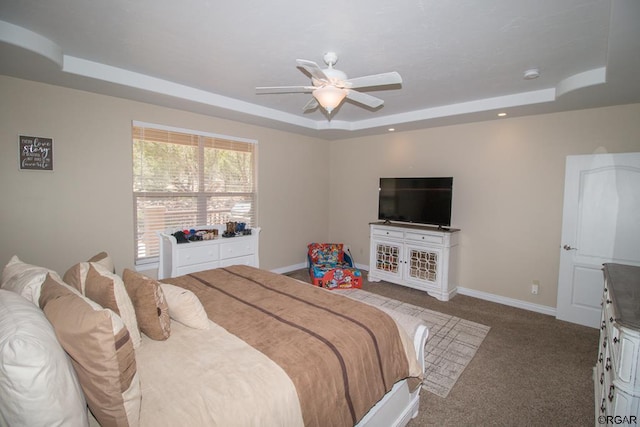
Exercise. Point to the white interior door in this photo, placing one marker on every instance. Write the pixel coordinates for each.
(600, 223)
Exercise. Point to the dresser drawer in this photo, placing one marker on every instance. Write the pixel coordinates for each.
(242, 247)
(388, 233)
(192, 268)
(427, 238)
(242, 260)
(197, 254)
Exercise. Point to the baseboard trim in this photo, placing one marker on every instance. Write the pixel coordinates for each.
(289, 268)
(512, 302)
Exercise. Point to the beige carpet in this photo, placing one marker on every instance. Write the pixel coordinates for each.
(451, 345)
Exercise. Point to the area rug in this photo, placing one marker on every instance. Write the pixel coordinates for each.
(451, 344)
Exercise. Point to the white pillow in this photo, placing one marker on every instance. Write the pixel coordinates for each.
(38, 384)
(105, 260)
(185, 307)
(24, 279)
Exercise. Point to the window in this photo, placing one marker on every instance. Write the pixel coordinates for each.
(184, 179)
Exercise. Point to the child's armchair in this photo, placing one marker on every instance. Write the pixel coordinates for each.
(331, 267)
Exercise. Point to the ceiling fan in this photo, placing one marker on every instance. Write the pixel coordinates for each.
(330, 86)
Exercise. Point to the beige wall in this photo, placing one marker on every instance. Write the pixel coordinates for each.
(508, 189)
(508, 183)
(85, 205)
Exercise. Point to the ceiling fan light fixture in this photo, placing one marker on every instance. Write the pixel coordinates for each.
(329, 97)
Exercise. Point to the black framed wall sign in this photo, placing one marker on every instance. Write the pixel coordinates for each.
(36, 153)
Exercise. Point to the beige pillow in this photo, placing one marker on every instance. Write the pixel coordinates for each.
(101, 352)
(149, 303)
(105, 260)
(101, 289)
(185, 307)
(107, 289)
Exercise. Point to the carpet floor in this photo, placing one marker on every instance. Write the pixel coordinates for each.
(531, 369)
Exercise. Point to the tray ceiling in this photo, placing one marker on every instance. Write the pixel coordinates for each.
(460, 61)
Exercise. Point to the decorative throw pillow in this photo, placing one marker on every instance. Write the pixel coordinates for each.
(102, 290)
(149, 303)
(101, 351)
(185, 307)
(107, 289)
(24, 279)
(38, 384)
(104, 260)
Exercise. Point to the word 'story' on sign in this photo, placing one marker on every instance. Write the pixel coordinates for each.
(36, 153)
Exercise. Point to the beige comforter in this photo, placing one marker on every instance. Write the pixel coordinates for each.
(279, 353)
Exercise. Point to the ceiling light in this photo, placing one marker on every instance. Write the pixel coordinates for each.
(391, 129)
(329, 97)
(502, 114)
(531, 74)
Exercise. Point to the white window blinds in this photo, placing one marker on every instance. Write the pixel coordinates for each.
(184, 179)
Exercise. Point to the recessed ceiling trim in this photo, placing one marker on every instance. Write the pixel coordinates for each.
(578, 81)
(40, 45)
(123, 77)
(107, 73)
(487, 104)
(26, 39)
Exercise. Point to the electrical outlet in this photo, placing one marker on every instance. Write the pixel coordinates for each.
(535, 287)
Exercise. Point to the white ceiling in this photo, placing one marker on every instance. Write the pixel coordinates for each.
(460, 61)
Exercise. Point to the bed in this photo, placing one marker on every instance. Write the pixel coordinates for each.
(270, 350)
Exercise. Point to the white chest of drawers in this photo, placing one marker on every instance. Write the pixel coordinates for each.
(177, 259)
(617, 370)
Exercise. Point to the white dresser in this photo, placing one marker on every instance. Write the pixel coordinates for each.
(416, 256)
(177, 259)
(617, 373)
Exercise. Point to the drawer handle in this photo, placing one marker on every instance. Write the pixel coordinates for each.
(616, 340)
(609, 301)
(611, 389)
(607, 365)
(602, 406)
(611, 319)
(604, 325)
(602, 378)
(600, 358)
(604, 342)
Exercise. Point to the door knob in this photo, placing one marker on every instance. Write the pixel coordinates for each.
(569, 248)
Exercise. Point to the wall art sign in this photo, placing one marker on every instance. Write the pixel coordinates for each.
(36, 153)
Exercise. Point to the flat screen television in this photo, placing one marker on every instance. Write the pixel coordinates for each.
(417, 200)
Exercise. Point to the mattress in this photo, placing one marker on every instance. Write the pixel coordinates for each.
(279, 352)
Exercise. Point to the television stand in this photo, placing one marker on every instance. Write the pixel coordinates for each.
(418, 256)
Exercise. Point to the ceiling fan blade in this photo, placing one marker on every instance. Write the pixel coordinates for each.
(313, 69)
(311, 105)
(285, 89)
(365, 99)
(383, 79)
